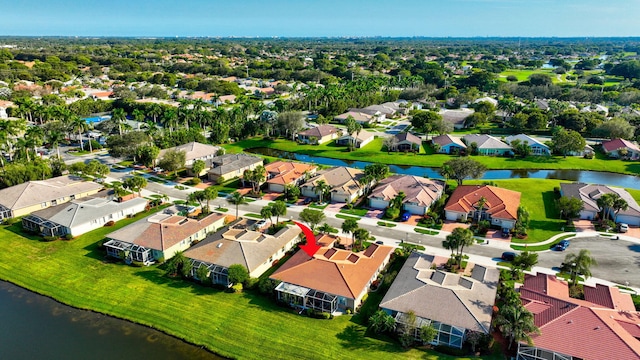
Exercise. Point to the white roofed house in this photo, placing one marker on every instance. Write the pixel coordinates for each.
(361, 116)
(160, 236)
(537, 148)
(360, 139)
(81, 216)
(419, 192)
(319, 134)
(454, 304)
(487, 144)
(240, 243)
(195, 151)
(25, 198)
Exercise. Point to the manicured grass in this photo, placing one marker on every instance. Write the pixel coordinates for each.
(319, 207)
(538, 198)
(346, 217)
(386, 224)
(542, 247)
(373, 152)
(426, 232)
(158, 180)
(257, 216)
(243, 325)
(356, 212)
(523, 74)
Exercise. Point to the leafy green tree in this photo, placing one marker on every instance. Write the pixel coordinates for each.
(173, 160)
(377, 171)
(127, 145)
(147, 154)
(291, 192)
(135, 184)
(428, 334)
(520, 148)
(525, 260)
(569, 207)
(381, 322)
(424, 120)
(202, 273)
(312, 217)
(567, 141)
(237, 199)
(197, 167)
(238, 274)
(210, 193)
(279, 208)
(462, 168)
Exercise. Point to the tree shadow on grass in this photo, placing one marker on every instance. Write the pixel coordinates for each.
(549, 201)
(536, 159)
(18, 230)
(160, 278)
(354, 337)
(633, 168)
(96, 251)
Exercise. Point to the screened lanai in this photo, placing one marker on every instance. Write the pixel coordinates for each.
(43, 226)
(447, 335)
(307, 298)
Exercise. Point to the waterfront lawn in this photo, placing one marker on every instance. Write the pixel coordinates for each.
(373, 152)
(538, 198)
(235, 325)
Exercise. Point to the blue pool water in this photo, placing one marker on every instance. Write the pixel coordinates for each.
(95, 119)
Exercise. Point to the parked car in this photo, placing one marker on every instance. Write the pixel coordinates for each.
(508, 256)
(260, 224)
(562, 245)
(307, 201)
(405, 216)
(380, 242)
(623, 228)
(505, 232)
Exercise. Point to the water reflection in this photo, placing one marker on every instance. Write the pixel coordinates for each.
(62, 332)
(587, 176)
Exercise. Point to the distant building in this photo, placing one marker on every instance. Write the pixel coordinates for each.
(537, 148)
(487, 144)
(319, 134)
(616, 147)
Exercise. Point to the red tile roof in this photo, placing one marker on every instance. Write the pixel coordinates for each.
(579, 328)
(615, 144)
(287, 172)
(500, 203)
(338, 272)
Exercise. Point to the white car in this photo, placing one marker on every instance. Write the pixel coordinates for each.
(623, 228)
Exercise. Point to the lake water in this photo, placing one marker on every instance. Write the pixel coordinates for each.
(586, 176)
(37, 327)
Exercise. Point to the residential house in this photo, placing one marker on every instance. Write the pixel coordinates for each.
(407, 141)
(25, 198)
(4, 105)
(319, 134)
(589, 195)
(360, 139)
(81, 216)
(602, 326)
(487, 99)
(541, 104)
(499, 206)
(343, 181)
(240, 243)
(229, 166)
(332, 280)
(537, 148)
(596, 108)
(225, 99)
(454, 304)
(487, 144)
(617, 147)
(283, 173)
(160, 236)
(448, 144)
(195, 151)
(457, 117)
(588, 150)
(361, 117)
(419, 193)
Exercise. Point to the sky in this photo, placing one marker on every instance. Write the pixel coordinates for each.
(322, 18)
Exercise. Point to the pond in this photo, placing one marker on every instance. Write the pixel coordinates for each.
(37, 327)
(586, 176)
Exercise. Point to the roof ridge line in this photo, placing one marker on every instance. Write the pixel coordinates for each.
(345, 279)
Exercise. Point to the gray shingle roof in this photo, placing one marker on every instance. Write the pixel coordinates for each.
(224, 164)
(485, 141)
(36, 192)
(449, 298)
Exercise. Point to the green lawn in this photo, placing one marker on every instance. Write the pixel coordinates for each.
(373, 152)
(235, 325)
(355, 211)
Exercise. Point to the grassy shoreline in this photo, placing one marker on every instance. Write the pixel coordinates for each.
(373, 152)
(243, 325)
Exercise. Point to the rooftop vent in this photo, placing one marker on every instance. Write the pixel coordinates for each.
(219, 246)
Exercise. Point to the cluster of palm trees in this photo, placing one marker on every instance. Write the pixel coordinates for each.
(255, 177)
(611, 202)
(358, 234)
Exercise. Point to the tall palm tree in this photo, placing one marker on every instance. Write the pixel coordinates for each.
(55, 137)
(237, 199)
(321, 187)
(119, 116)
(361, 235)
(9, 131)
(169, 119)
(580, 263)
(605, 203)
(516, 323)
(480, 206)
(618, 205)
(349, 226)
(154, 110)
(78, 124)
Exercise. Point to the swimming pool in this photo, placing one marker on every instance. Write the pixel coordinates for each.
(95, 119)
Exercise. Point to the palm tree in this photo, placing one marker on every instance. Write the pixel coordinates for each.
(168, 119)
(321, 187)
(210, 193)
(618, 205)
(54, 138)
(605, 203)
(9, 130)
(361, 235)
(154, 110)
(580, 263)
(78, 124)
(118, 116)
(237, 199)
(516, 323)
(349, 226)
(480, 206)
(459, 238)
(326, 228)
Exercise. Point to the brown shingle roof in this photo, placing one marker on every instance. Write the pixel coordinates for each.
(340, 178)
(338, 275)
(417, 189)
(320, 131)
(501, 203)
(36, 192)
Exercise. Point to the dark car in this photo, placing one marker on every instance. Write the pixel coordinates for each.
(508, 256)
(307, 201)
(562, 245)
(405, 216)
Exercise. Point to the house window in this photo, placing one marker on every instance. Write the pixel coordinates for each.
(44, 204)
(72, 197)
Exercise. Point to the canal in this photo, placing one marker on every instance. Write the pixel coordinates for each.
(585, 176)
(37, 327)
